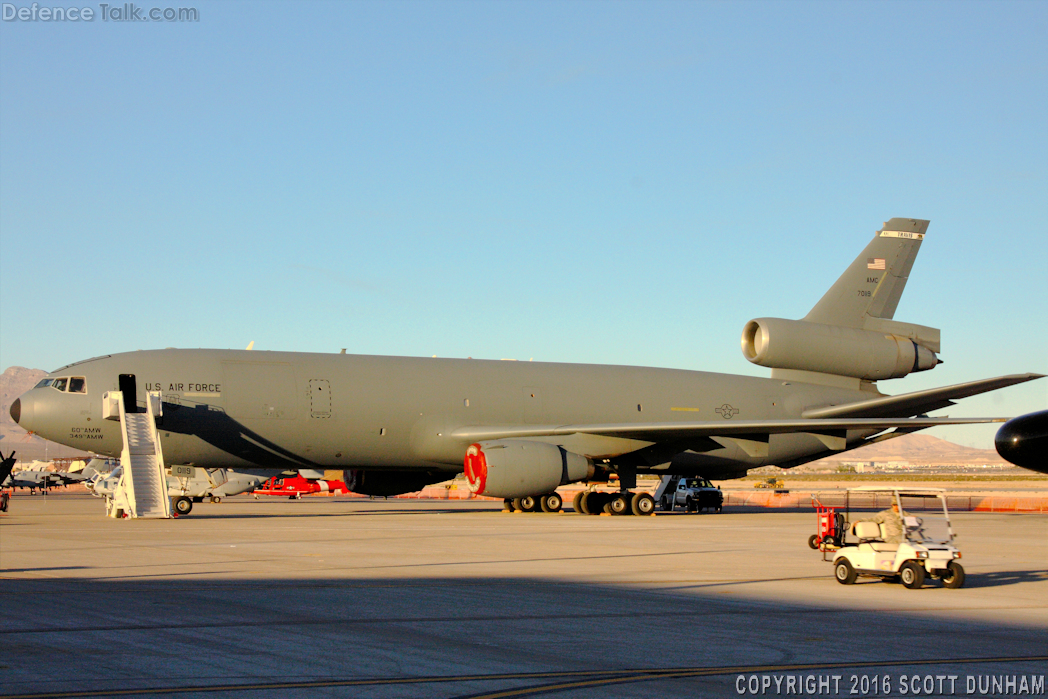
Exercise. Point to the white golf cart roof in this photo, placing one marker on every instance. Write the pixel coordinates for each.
(917, 492)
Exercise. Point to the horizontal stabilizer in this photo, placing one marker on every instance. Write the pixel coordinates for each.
(918, 402)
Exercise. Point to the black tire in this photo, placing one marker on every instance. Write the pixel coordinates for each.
(643, 504)
(912, 575)
(216, 499)
(576, 502)
(619, 505)
(843, 571)
(507, 505)
(551, 503)
(595, 502)
(182, 505)
(954, 575)
(689, 504)
(813, 541)
(530, 503)
(667, 504)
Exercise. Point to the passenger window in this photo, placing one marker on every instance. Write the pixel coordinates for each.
(60, 384)
(77, 384)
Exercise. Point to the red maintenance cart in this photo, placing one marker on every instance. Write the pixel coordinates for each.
(831, 527)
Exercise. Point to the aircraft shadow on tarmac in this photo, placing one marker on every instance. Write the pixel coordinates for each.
(465, 636)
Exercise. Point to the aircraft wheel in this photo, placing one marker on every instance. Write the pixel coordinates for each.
(529, 503)
(954, 575)
(593, 503)
(508, 505)
(619, 504)
(216, 499)
(813, 541)
(912, 575)
(551, 503)
(643, 504)
(182, 505)
(576, 502)
(844, 572)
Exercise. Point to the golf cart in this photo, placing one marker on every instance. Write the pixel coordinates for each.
(927, 545)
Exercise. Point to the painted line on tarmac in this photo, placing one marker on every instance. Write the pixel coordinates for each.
(595, 678)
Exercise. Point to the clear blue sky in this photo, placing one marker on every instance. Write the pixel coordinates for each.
(621, 183)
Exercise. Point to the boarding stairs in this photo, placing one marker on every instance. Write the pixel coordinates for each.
(142, 492)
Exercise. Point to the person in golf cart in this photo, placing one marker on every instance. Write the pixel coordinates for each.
(892, 521)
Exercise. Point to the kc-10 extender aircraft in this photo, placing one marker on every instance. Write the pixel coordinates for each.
(521, 429)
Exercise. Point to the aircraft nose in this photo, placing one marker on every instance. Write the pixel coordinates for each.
(22, 411)
(1024, 441)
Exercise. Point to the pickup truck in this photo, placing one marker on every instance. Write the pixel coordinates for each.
(693, 493)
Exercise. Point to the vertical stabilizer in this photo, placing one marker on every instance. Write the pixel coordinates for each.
(873, 284)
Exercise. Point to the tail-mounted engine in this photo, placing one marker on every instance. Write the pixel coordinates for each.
(891, 352)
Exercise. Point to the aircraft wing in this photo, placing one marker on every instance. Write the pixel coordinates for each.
(918, 402)
(675, 431)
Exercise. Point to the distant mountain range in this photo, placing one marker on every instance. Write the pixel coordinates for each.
(919, 449)
(913, 448)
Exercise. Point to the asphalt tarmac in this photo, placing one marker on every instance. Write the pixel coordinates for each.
(338, 597)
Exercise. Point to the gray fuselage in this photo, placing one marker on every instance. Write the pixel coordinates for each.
(286, 410)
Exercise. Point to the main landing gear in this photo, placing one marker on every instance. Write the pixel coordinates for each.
(551, 502)
(623, 502)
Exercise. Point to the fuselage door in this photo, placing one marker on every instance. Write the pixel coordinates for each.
(319, 398)
(129, 387)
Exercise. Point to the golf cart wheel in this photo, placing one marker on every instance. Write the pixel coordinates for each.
(844, 572)
(813, 541)
(912, 575)
(954, 575)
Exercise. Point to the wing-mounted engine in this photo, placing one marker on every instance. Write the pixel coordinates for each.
(883, 349)
(515, 468)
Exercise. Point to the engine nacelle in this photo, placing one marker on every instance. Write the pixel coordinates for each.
(515, 468)
(829, 349)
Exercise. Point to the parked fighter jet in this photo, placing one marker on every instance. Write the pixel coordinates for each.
(35, 478)
(521, 429)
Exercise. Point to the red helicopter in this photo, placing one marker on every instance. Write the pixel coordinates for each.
(294, 487)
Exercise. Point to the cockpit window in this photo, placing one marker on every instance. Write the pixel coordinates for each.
(60, 384)
(78, 384)
(44, 383)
